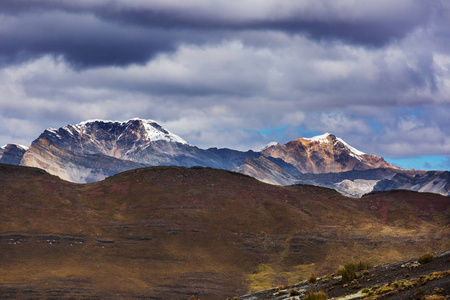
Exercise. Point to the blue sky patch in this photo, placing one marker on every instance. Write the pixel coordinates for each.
(425, 162)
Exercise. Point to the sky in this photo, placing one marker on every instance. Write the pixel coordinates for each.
(235, 73)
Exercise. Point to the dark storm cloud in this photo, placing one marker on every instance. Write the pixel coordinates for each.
(84, 40)
(100, 33)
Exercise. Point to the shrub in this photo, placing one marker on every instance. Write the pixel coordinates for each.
(312, 279)
(294, 292)
(426, 258)
(316, 296)
(348, 272)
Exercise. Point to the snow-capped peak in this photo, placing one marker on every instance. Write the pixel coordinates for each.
(320, 138)
(17, 145)
(269, 145)
(22, 147)
(153, 129)
(324, 139)
(157, 132)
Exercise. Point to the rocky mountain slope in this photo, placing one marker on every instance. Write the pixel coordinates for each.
(433, 182)
(324, 154)
(74, 166)
(266, 171)
(173, 232)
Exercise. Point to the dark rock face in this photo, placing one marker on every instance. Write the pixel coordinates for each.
(11, 154)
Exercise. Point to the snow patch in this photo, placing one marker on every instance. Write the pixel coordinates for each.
(320, 138)
(354, 150)
(153, 129)
(324, 139)
(154, 133)
(269, 145)
(17, 145)
(54, 131)
(22, 147)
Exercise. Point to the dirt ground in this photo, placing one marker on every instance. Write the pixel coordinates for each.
(402, 280)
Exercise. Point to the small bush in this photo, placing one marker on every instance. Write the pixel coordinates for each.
(294, 292)
(312, 279)
(348, 272)
(426, 258)
(316, 296)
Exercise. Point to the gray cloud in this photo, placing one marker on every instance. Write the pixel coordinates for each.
(98, 33)
(232, 74)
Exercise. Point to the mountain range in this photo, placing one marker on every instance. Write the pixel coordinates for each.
(93, 150)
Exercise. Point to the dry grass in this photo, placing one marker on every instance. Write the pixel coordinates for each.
(316, 296)
(201, 224)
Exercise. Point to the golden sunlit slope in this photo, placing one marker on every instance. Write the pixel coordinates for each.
(171, 232)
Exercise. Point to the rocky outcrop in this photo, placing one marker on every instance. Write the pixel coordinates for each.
(12, 154)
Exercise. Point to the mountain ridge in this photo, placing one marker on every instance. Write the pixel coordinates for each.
(95, 149)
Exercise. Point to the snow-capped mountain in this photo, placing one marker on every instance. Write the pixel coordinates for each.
(92, 150)
(323, 154)
(113, 138)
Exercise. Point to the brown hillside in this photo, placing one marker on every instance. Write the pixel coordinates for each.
(171, 232)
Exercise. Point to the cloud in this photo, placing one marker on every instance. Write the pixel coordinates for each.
(376, 73)
(99, 33)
